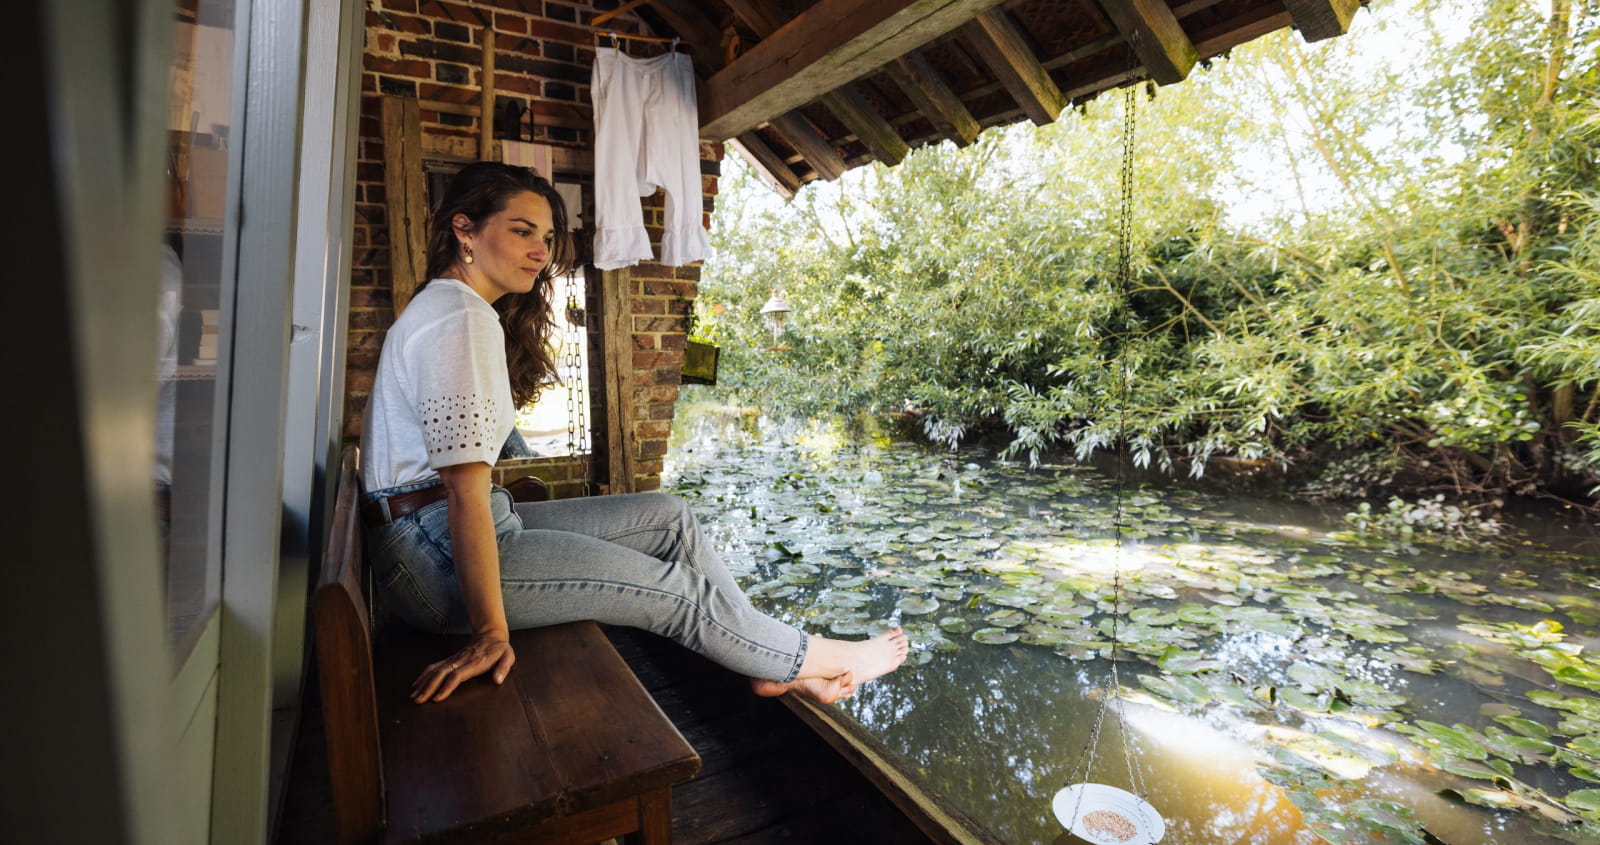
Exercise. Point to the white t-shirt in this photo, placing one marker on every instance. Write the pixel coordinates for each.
(442, 395)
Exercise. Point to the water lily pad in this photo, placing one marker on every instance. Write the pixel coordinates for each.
(1460, 741)
(1319, 752)
(955, 624)
(995, 636)
(1517, 748)
(1006, 618)
(1584, 801)
(1524, 727)
(1152, 616)
(917, 605)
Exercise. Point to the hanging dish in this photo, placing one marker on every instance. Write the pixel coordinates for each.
(1106, 815)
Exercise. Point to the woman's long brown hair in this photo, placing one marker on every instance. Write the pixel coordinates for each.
(479, 191)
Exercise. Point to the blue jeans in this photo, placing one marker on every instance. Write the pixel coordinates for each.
(638, 560)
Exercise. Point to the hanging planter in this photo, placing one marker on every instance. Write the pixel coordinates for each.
(700, 362)
(699, 355)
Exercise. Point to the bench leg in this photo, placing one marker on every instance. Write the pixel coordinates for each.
(655, 819)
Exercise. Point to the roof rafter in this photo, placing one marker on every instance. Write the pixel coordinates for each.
(1001, 46)
(830, 44)
(1319, 19)
(875, 133)
(846, 103)
(759, 153)
(809, 143)
(934, 99)
(1163, 48)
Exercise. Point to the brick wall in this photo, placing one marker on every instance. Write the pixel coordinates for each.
(431, 50)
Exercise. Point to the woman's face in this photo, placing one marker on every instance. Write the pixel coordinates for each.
(510, 249)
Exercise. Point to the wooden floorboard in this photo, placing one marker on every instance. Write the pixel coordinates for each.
(765, 776)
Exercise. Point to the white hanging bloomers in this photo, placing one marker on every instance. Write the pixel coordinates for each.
(647, 136)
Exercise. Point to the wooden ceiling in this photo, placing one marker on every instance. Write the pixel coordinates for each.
(811, 89)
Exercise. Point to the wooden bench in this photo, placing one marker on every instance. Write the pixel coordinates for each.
(569, 749)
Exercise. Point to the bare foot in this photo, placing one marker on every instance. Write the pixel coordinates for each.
(820, 690)
(863, 659)
(880, 655)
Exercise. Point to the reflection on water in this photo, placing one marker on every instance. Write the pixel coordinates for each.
(1283, 682)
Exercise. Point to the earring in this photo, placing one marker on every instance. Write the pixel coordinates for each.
(466, 248)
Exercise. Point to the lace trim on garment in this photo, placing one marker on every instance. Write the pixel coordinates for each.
(461, 423)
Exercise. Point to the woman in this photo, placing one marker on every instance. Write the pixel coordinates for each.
(451, 552)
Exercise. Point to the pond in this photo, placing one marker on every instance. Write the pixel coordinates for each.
(1284, 679)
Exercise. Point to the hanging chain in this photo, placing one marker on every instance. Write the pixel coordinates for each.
(572, 360)
(1130, 112)
(1112, 693)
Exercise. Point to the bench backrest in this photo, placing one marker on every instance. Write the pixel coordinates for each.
(344, 660)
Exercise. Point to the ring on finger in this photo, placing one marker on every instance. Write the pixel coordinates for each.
(454, 666)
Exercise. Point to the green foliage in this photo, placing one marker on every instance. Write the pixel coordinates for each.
(1432, 300)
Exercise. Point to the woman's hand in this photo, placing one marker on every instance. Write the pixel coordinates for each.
(484, 652)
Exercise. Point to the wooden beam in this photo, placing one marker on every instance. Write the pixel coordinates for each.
(1319, 19)
(1163, 48)
(405, 205)
(617, 333)
(570, 161)
(934, 99)
(759, 15)
(806, 141)
(1219, 39)
(764, 159)
(869, 127)
(486, 100)
(830, 44)
(1003, 49)
(846, 103)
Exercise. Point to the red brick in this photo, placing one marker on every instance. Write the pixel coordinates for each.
(403, 6)
(655, 287)
(559, 32)
(657, 324)
(399, 67)
(654, 430)
(515, 24)
(400, 23)
(667, 394)
(519, 84)
(674, 341)
(458, 12)
(359, 381)
(448, 93)
(644, 341)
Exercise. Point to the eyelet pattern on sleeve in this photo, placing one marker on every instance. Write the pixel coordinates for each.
(460, 424)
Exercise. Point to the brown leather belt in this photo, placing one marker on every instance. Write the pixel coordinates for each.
(400, 505)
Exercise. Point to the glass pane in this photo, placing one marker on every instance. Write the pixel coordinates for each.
(193, 325)
(557, 424)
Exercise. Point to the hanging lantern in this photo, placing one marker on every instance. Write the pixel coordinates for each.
(775, 314)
